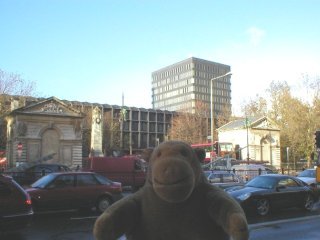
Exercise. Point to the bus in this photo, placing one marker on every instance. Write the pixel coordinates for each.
(220, 149)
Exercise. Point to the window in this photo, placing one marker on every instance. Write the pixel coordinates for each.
(215, 178)
(287, 182)
(227, 178)
(63, 181)
(86, 180)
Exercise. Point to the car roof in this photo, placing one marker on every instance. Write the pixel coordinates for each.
(219, 172)
(276, 175)
(71, 173)
(5, 177)
(49, 164)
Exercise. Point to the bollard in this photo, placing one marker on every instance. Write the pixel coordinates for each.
(259, 170)
(43, 172)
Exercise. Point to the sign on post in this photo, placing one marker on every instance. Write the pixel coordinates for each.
(19, 148)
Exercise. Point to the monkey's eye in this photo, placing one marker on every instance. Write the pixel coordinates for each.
(158, 154)
(184, 152)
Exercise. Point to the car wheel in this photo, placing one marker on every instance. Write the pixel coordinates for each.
(263, 207)
(103, 203)
(308, 202)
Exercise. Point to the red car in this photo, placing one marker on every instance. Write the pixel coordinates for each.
(15, 205)
(74, 190)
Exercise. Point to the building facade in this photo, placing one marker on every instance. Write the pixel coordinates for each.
(44, 131)
(180, 86)
(54, 130)
(255, 138)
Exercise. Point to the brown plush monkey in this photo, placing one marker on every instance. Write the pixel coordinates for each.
(176, 203)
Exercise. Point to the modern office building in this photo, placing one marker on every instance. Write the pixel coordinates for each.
(180, 86)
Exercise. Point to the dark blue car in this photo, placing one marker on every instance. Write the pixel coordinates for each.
(273, 191)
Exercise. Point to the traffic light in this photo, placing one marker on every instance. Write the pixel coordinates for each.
(317, 138)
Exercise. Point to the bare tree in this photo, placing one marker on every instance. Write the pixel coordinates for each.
(191, 127)
(14, 84)
(224, 116)
(255, 107)
(11, 84)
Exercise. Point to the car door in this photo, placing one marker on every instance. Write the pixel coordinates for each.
(59, 194)
(288, 193)
(87, 189)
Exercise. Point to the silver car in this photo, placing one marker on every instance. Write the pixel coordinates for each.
(224, 179)
(308, 176)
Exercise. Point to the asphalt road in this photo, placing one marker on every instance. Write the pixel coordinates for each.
(74, 225)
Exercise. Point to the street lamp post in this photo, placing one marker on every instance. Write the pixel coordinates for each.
(211, 106)
(247, 126)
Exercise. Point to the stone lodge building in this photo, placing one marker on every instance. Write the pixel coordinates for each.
(53, 130)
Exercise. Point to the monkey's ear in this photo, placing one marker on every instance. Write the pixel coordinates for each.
(200, 153)
(146, 154)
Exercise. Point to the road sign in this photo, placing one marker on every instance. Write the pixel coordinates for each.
(19, 148)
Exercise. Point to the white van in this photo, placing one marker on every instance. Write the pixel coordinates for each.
(249, 171)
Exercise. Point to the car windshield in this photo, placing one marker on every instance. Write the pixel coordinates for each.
(103, 180)
(43, 182)
(262, 182)
(308, 173)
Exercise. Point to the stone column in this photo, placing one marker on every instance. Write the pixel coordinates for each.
(96, 132)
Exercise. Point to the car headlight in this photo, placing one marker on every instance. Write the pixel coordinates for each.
(244, 196)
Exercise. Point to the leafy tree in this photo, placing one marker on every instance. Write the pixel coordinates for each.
(297, 118)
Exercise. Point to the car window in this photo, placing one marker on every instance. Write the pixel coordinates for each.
(287, 182)
(262, 182)
(43, 182)
(63, 181)
(86, 180)
(63, 169)
(41, 170)
(227, 178)
(215, 178)
(103, 180)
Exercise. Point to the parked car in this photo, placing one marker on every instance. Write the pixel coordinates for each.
(130, 170)
(74, 190)
(308, 176)
(224, 179)
(249, 171)
(28, 173)
(15, 205)
(273, 191)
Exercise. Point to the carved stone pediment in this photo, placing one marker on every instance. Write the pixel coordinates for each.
(50, 106)
(265, 123)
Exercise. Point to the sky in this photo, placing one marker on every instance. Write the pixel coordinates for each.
(100, 50)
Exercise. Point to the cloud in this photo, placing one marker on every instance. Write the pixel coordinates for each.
(255, 35)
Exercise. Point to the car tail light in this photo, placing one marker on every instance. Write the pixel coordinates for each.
(28, 201)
